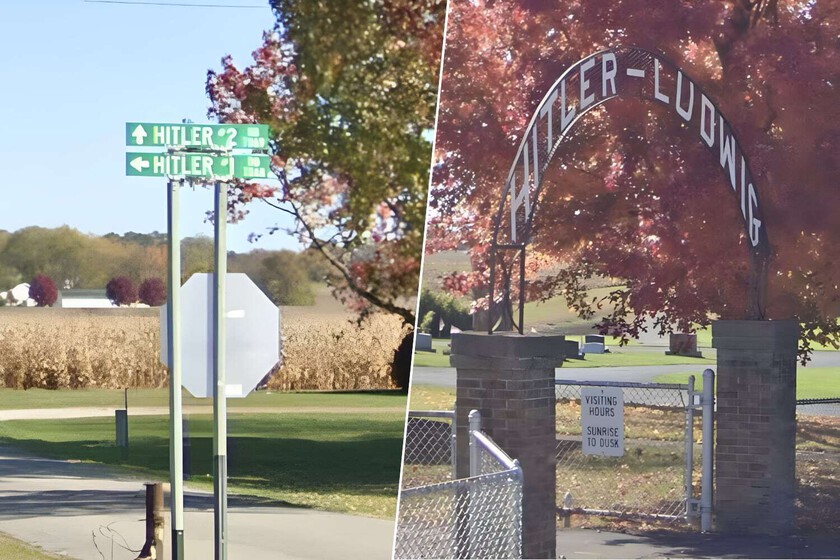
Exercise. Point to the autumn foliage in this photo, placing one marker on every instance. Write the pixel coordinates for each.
(121, 291)
(349, 90)
(631, 195)
(152, 292)
(42, 289)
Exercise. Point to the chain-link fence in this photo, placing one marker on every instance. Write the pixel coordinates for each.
(476, 517)
(429, 445)
(654, 477)
(818, 465)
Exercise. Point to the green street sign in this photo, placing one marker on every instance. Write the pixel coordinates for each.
(185, 164)
(197, 136)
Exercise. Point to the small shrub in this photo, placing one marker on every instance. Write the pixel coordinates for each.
(427, 322)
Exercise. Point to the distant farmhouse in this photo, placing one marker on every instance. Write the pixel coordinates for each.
(83, 299)
(19, 295)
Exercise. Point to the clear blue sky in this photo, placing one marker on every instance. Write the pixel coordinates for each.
(74, 72)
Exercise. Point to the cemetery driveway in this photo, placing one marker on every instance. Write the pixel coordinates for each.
(87, 511)
(589, 544)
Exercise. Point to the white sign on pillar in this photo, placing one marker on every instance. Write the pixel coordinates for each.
(602, 421)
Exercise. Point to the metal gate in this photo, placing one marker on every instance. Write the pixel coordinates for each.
(661, 474)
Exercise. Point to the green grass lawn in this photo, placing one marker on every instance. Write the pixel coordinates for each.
(62, 398)
(555, 315)
(618, 356)
(19, 550)
(625, 357)
(811, 382)
(434, 359)
(336, 462)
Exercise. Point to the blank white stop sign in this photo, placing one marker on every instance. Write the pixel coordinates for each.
(252, 335)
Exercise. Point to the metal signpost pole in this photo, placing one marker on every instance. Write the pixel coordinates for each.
(204, 151)
(219, 396)
(173, 319)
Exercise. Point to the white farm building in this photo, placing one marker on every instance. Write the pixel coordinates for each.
(19, 295)
(83, 299)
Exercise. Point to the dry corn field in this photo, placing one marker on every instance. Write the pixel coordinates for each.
(57, 348)
(329, 352)
(53, 348)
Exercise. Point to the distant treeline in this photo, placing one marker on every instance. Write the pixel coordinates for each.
(77, 260)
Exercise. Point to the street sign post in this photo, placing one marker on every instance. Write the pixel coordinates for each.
(172, 334)
(219, 376)
(202, 151)
(206, 137)
(197, 164)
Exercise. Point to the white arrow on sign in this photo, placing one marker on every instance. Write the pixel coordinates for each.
(139, 164)
(139, 134)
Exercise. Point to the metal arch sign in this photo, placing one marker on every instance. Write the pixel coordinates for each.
(587, 84)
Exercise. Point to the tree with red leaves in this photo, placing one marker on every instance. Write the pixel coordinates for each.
(121, 291)
(631, 194)
(152, 292)
(349, 88)
(42, 289)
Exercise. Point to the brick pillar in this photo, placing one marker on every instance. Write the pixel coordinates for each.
(755, 455)
(509, 378)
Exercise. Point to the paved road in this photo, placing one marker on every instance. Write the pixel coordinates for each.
(589, 544)
(83, 511)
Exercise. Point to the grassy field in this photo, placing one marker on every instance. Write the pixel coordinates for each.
(626, 357)
(12, 548)
(428, 397)
(554, 315)
(47, 398)
(441, 264)
(337, 462)
(618, 356)
(811, 383)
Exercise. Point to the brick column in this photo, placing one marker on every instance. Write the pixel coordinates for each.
(509, 378)
(755, 454)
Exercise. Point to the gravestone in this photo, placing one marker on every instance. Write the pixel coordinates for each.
(683, 344)
(594, 348)
(572, 349)
(423, 342)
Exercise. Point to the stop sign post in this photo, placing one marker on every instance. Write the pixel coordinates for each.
(185, 142)
(252, 333)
